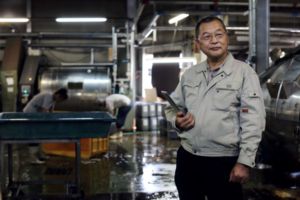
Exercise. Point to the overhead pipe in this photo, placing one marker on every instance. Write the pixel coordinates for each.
(230, 13)
(202, 13)
(199, 3)
(106, 64)
(219, 3)
(278, 39)
(59, 45)
(164, 47)
(237, 28)
(54, 35)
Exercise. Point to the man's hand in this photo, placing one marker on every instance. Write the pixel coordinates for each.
(184, 121)
(239, 173)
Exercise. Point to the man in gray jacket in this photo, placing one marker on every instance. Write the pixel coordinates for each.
(221, 132)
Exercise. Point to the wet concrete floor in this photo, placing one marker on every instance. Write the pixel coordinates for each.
(137, 166)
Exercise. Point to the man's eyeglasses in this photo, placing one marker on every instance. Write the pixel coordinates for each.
(209, 36)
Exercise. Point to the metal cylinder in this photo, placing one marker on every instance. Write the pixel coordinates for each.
(281, 90)
(85, 86)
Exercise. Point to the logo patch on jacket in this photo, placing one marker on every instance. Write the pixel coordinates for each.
(245, 110)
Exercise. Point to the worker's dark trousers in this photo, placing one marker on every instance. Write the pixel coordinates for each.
(121, 116)
(198, 176)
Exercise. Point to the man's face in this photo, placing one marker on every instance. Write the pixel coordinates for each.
(213, 40)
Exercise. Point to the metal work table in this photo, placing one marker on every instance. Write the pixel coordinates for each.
(49, 127)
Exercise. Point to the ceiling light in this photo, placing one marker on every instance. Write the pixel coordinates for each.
(81, 19)
(178, 18)
(14, 20)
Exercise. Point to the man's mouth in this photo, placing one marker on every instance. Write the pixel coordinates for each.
(215, 48)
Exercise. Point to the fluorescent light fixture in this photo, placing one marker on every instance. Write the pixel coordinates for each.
(173, 60)
(81, 19)
(14, 20)
(178, 18)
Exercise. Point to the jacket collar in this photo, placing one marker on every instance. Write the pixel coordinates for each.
(227, 68)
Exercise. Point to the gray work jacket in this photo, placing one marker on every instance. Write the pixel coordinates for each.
(229, 111)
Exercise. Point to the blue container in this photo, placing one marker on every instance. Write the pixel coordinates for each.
(69, 125)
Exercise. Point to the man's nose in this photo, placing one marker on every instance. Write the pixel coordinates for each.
(213, 38)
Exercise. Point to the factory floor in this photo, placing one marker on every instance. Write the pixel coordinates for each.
(137, 166)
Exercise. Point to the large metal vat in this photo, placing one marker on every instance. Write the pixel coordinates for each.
(281, 89)
(85, 85)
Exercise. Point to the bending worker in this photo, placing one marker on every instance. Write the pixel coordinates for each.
(118, 105)
(43, 102)
(221, 132)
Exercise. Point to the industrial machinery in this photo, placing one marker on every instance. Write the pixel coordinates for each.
(86, 85)
(280, 146)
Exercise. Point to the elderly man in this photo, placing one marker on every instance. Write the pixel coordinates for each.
(222, 129)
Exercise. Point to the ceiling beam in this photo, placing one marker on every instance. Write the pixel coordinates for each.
(289, 5)
(148, 30)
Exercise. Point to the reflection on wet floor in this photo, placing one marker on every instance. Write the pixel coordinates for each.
(137, 166)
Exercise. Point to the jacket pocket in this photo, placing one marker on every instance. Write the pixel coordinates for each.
(191, 92)
(226, 96)
(252, 100)
(253, 95)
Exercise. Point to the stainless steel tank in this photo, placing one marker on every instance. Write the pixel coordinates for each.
(281, 90)
(85, 86)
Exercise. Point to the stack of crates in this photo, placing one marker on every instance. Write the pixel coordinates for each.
(148, 116)
(89, 147)
(165, 127)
